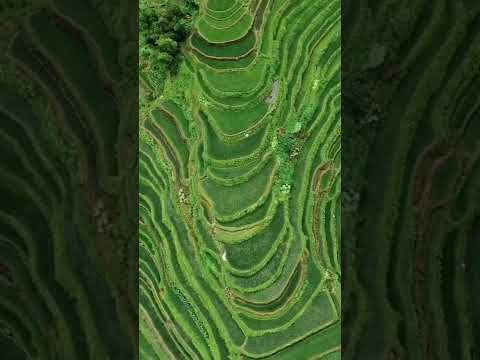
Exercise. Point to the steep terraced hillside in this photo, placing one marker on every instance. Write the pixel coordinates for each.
(68, 249)
(411, 178)
(240, 185)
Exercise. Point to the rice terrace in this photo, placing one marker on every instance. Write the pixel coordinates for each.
(239, 179)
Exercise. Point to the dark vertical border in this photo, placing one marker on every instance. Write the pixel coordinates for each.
(68, 184)
(410, 175)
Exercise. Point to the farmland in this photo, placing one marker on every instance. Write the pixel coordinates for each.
(240, 185)
(68, 242)
(410, 162)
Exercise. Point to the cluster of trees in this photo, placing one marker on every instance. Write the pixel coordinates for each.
(163, 25)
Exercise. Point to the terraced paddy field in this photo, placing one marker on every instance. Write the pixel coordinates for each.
(68, 245)
(410, 162)
(240, 187)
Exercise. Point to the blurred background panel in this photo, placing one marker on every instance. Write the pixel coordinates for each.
(68, 179)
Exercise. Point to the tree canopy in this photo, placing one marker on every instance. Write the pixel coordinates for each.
(163, 26)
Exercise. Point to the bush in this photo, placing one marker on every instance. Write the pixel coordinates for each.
(163, 25)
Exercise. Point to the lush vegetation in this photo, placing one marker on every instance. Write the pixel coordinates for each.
(163, 26)
(410, 162)
(68, 245)
(240, 187)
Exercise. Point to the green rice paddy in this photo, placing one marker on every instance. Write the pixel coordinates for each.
(240, 188)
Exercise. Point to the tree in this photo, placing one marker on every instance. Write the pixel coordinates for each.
(163, 27)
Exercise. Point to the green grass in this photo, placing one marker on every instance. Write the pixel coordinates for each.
(249, 253)
(236, 49)
(228, 200)
(232, 122)
(218, 36)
